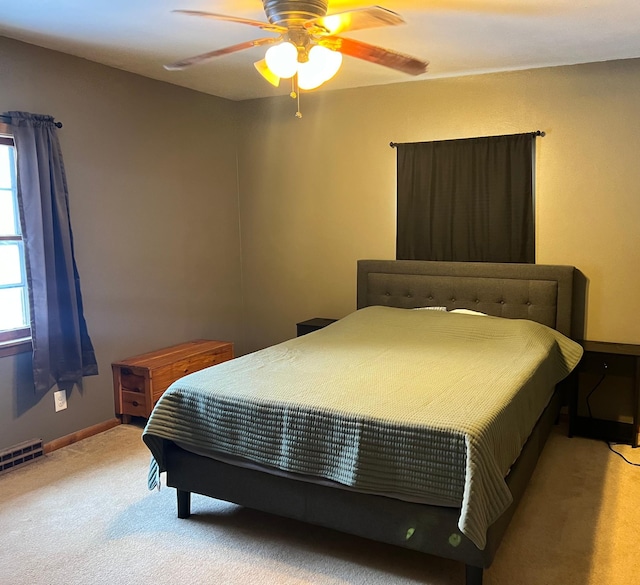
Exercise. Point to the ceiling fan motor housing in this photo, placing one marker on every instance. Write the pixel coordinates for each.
(293, 12)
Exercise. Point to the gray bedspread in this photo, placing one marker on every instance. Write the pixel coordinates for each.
(422, 405)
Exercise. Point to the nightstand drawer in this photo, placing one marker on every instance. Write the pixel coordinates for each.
(131, 380)
(134, 403)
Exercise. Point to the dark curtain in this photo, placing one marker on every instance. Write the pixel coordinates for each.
(466, 200)
(62, 350)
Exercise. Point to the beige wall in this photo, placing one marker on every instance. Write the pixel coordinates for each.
(319, 193)
(174, 240)
(154, 208)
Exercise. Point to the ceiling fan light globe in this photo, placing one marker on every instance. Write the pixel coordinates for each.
(310, 75)
(282, 59)
(328, 61)
(336, 23)
(270, 76)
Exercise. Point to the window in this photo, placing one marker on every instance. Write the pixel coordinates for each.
(14, 295)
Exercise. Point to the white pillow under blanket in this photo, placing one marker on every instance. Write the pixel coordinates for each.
(468, 312)
(430, 308)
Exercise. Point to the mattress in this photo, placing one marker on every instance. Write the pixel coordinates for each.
(425, 405)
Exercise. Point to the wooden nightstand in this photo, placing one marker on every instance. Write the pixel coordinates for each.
(607, 369)
(138, 382)
(305, 327)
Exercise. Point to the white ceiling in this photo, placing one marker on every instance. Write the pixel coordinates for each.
(457, 37)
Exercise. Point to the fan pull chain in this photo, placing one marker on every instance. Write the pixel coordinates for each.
(295, 94)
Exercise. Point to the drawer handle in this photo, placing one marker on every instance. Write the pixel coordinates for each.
(135, 403)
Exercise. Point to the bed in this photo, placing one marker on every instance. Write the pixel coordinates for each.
(336, 428)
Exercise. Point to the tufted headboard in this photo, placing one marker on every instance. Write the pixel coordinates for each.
(538, 292)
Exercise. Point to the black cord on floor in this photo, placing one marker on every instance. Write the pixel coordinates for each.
(610, 445)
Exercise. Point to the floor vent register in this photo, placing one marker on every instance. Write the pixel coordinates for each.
(20, 455)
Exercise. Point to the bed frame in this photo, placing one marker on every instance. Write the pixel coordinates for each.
(524, 291)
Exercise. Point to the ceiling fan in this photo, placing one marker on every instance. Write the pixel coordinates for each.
(309, 48)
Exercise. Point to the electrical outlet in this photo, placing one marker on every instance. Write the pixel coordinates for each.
(60, 399)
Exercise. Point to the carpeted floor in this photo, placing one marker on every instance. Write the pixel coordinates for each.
(83, 516)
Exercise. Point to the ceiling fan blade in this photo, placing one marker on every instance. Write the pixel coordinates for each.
(378, 55)
(263, 25)
(184, 63)
(358, 19)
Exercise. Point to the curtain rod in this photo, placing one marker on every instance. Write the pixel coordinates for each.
(540, 133)
(8, 119)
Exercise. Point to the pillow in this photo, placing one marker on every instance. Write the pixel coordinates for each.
(430, 308)
(467, 312)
